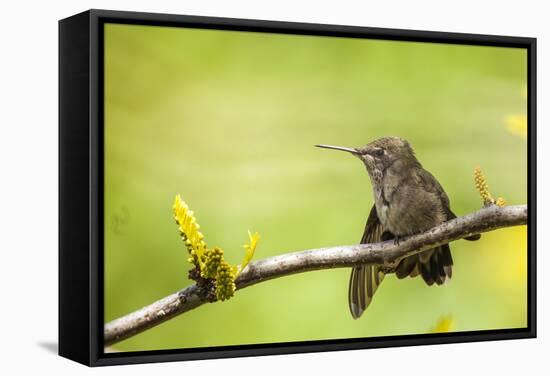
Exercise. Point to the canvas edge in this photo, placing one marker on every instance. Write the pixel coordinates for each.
(74, 188)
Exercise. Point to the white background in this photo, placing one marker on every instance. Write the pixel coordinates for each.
(28, 199)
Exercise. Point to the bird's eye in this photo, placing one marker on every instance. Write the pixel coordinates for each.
(378, 152)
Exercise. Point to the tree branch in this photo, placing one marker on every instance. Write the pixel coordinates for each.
(386, 254)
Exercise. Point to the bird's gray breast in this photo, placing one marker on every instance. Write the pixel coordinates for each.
(385, 197)
(382, 206)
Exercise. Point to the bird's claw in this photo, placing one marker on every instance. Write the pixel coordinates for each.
(396, 240)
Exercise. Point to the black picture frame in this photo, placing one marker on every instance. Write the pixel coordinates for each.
(81, 182)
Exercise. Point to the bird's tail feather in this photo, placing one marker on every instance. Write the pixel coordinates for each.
(363, 283)
(473, 237)
(435, 265)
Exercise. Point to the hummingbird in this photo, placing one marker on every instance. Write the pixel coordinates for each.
(407, 200)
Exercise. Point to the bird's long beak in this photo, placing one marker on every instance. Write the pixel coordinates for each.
(341, 148)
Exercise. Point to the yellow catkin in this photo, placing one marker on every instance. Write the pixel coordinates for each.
(210, 262)
(225, 282)
(482, 187)
(189, 230)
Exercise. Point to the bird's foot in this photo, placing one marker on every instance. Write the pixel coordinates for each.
(396, 240)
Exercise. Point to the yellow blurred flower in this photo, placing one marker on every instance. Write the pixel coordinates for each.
(444, 325)
(507, 257)
(517, 124)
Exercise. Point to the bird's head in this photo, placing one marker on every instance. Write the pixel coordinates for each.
(380, 154)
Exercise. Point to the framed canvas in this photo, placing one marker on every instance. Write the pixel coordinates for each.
(382, 182)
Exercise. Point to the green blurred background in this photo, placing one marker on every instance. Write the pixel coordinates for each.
(229, 119)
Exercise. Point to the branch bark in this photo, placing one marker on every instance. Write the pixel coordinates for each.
(386, 253)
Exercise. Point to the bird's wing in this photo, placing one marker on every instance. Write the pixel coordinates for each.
(432, 185)
(373, 228)
(365, 279)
